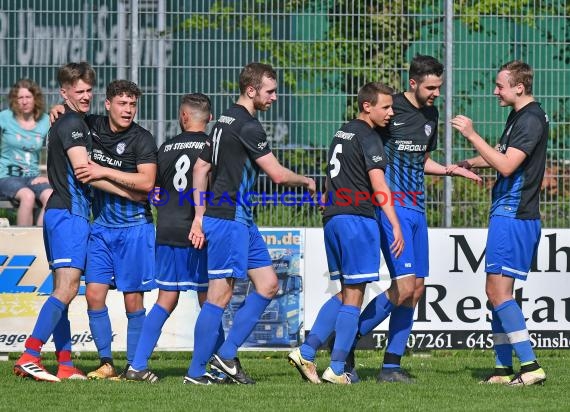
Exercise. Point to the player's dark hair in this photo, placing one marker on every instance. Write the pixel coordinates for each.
(122, 87)
(72, 72)
(422, 66)
(199, 105)
(370, 91)
(35, 90)
(519, 72)
(252, 75)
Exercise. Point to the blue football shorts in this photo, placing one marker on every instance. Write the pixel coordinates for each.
(352, 244)
(233, 248)
(121, 257)
(414, 259)
(181, 268)
(511, 246)
(65, 239)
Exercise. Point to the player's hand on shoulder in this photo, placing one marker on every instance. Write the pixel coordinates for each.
(55, 112)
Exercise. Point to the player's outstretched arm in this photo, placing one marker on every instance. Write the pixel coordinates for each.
(504, 163)
(379, 185)
(283, 176)
(431, 167)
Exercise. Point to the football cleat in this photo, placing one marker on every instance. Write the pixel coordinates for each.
(70, 372)
(331, 377)
(205, 379)
(497, 379)
(141, 376)
(28, 366)
(105, 371)
(394, 375)
(232, 369)
(306, 368)
(350, 368)
(123, 375)
(537, 377)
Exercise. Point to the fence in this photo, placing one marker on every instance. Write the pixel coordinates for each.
(323, 51)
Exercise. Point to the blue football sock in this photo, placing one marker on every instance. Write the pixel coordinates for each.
(101, 331)
(245, 320)
(514, 325)
(345, 328)
(221, 338)
(374, 313)
(322, 328)
(152, 327)
(62, 338)
(49, 316)
(401, 322)
(135, 321)
(206, 332)
(503, 348)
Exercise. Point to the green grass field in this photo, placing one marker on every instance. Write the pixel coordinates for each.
(445, 381)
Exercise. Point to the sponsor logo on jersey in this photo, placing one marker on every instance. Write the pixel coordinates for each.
(399, 123)
(121, 148)
(100, 157)
(376, 159)
(428, 129)
(343, 135)
(262, 145)
(76, 135)
(226, 119)
(408, 146)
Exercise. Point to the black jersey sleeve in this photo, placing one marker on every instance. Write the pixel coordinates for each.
(73, 132)
(206, 153)
(254, 139)
(373, 152)
(146, 147)
(526, 133)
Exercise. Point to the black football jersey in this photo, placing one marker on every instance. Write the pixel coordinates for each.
(411, 134)
(68, 131)
(518, 195)
(121, 151)
(356, 149)
(176, 160)
(234, 144)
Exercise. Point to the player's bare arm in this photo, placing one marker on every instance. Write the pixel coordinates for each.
(142, 181)
(200, 180)
(431, 167)
(283, 176)
(379, 185)
(504, 163)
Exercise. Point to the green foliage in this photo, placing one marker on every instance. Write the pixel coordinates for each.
(520, 11)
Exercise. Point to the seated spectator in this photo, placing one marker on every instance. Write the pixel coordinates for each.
(23, 130)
